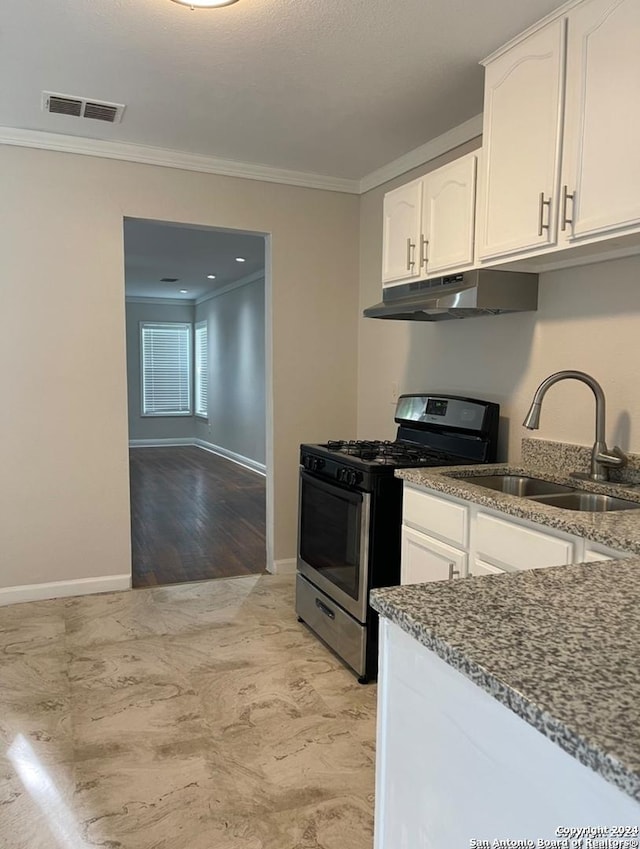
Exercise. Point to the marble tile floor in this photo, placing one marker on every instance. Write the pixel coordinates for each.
(194, 716)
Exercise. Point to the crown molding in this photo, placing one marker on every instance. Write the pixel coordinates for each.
(230, 287)
(165, 302)
(202, 164)
(529, 31)
(173, 159)
(470, 129)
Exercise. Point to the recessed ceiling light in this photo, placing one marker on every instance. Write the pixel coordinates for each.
(205, 4)
(183, 291)
(211, 276)
(240, 259)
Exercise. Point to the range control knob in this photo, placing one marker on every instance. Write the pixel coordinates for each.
(349, 476)
(313, 464)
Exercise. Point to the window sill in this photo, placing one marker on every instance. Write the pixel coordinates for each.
(165, 415)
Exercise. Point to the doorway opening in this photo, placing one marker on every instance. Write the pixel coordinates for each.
(196, 374)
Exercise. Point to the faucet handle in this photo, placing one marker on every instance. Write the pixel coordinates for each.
(614, 457)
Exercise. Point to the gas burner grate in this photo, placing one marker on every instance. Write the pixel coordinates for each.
(390, 453)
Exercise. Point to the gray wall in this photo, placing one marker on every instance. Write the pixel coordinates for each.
(152, 427)
(236, 337)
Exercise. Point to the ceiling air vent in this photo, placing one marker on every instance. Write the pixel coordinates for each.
(64, 106)
(101, 112)
(169, 279)
(81, 107)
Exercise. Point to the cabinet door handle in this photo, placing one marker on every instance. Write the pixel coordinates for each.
(453, 572)
(566, 195)
(541, 225)
(410, 262)
(424, 246)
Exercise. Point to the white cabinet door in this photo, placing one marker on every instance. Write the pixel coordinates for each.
(521, 137)
(401, 233)
(425, 559)
(449, 216)
(601, 165)
(479, 567)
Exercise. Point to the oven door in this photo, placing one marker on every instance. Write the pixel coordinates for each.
(333, 541)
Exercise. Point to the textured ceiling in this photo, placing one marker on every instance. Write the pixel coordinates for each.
(155, 249)
(334, 87)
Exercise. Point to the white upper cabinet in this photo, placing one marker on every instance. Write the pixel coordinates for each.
(561, 136)
(521, 137)
(401, 233)
(449, 201)
(429, 224)
(601, 159)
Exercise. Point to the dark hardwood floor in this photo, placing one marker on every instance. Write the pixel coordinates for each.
(194, 516)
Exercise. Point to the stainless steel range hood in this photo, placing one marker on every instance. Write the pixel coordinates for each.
(483, 291)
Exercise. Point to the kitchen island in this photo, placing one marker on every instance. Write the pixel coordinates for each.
(509, 706)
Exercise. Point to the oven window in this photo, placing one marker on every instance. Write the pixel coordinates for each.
(330, 533)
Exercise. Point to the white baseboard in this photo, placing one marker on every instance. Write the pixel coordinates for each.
(63, 589)
(161, 443)
(283, 567)
(247, 462)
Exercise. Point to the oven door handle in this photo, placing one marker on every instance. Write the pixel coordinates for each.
(326, 610)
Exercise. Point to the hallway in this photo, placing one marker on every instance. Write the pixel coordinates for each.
(194, 516)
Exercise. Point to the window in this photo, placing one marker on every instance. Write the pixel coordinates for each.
(166, 368)
(202, 371)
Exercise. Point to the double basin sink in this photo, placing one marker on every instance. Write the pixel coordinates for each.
(557, 495)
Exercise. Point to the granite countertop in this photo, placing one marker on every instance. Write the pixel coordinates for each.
(618, 529)
(559, 646)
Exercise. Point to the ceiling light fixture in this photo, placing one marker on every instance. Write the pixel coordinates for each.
(183, 291)
(211, 276)
(205, 4)
(240, 259)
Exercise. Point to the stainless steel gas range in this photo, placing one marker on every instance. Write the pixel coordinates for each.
(350, 514)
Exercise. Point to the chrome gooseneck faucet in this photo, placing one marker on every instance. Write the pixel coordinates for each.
(602, 459)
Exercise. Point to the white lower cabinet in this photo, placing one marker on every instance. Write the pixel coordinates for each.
(426, 559)
(454, 766)
(486, 542)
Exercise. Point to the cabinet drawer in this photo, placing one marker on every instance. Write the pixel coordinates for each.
(519, 547)
(436, 516)
(593, 552)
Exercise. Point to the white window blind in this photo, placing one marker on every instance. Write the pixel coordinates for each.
(202, 371)
(166, 368)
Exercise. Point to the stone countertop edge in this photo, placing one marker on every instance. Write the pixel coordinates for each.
(536, 680)
(618, 529)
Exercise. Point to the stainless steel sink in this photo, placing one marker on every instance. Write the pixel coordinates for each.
(555, 494)
(587, 502)
(519, 485)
